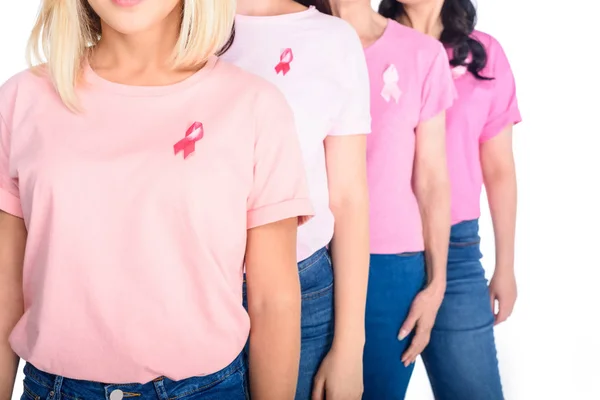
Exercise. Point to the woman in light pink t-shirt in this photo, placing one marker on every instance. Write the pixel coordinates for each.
(138, 172)
(461, 357)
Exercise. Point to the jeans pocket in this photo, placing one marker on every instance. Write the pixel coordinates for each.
(29, 395)
(233, 387)
(33, 391)
(228, 383)
(316, 278)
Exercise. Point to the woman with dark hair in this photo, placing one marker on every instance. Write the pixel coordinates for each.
(317, 62)
(411, 87)
(461, 356)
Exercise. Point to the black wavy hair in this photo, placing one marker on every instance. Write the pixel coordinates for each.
(321, 5)
(458, 18)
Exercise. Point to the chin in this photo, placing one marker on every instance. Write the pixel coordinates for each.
(411, 2)
(130, 27)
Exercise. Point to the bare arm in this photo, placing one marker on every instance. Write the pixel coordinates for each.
(12, 247)
(500, 180)
(432, 189)
(274, 307)
(348, 199)
(340, 375)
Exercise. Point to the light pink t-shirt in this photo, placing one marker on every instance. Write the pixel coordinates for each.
(318, 63)
(136, 236)
(410, 83)
(483, 110)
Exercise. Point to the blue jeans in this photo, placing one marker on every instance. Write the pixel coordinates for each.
(394, 281)
(461, 356)
(229, 383)
(316, 282)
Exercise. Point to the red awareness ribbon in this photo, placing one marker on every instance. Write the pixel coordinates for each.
(188, 144)
(284, 62)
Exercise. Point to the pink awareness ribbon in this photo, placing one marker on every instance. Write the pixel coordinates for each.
(188, 144)
(390, 84)
(460, 70)
(284, 61)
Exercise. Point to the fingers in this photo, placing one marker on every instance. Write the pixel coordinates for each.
(505, 309)
(409, 324)
(417, 345)
(493, 302)
(318, 392)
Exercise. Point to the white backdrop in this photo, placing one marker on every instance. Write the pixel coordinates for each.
(549, 349)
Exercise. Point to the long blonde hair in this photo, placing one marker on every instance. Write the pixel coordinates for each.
(66, 29)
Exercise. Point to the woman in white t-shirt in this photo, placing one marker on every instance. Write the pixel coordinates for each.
(318, 63)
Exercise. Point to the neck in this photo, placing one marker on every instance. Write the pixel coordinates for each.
(367, 22)
(143, 50)
(268, 7)
(424, 17)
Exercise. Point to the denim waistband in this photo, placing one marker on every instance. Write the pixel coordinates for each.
(74, 388)
(465, 230)
(316, 256)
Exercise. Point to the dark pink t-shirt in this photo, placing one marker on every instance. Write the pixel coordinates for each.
(411, 82)
(483, 109)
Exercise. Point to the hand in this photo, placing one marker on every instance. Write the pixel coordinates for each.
(503, 289)
(340, 376)
(422, 316)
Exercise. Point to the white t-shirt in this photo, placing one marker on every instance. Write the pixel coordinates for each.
(318, 62)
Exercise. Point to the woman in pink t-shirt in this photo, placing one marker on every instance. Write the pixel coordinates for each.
(461, 356)
(411, 87)
(138, 172)
(316, 60)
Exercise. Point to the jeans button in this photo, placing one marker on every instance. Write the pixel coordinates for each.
(116, 395)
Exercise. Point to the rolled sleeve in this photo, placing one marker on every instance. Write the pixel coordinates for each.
(279, 189)
(280, 211)
(504, 110)
(9, 189)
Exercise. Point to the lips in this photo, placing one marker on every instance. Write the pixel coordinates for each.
(126, 3)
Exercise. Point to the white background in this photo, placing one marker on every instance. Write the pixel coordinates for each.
(549, 349)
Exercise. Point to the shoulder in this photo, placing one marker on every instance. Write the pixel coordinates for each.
(332, 30)
(255, 91)
(490, 43)
(497, 61)
(335, 25)
(485, 39)
(242, 81)
(24, 89)
(31, 79)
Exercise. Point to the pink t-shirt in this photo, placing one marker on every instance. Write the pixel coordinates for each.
(483, 110)
(410, 83)
(318, 63)
(136, 236)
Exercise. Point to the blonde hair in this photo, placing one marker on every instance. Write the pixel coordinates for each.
(66, 29)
